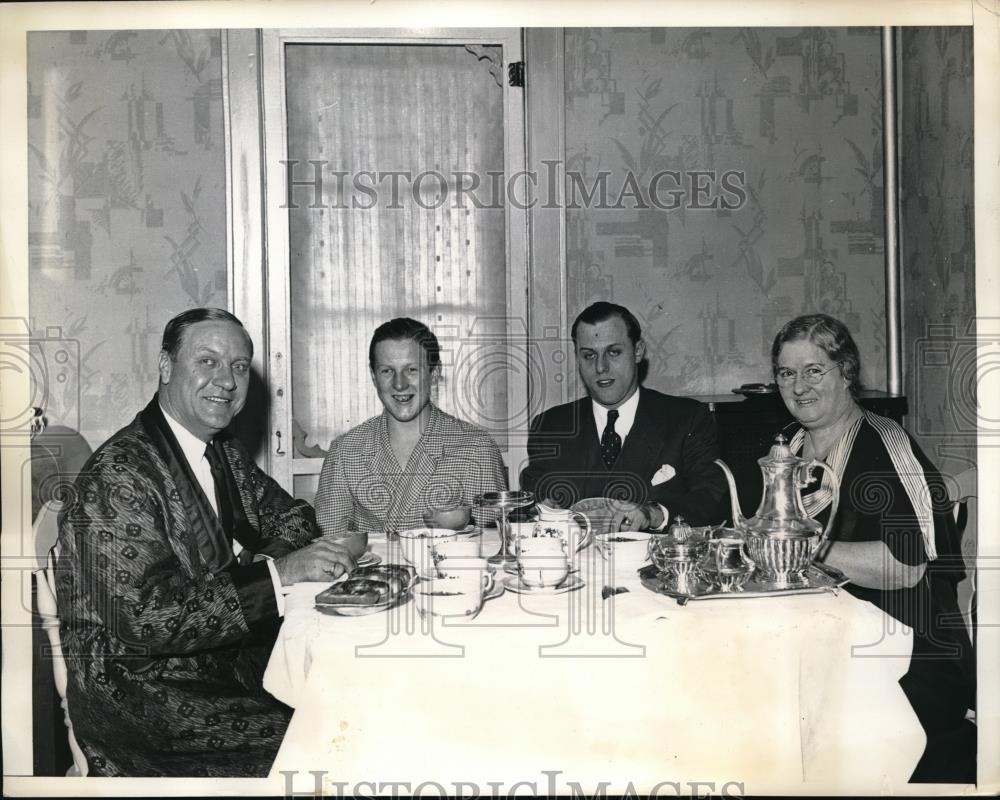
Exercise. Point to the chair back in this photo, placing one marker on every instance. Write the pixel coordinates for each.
(48, 610)
(45, 532)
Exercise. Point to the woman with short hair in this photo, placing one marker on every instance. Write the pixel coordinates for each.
(894, 536)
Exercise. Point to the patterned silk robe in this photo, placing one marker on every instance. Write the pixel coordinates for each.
(165, 657)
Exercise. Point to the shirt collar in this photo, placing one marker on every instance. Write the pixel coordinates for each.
(192, 447)
(626, 415)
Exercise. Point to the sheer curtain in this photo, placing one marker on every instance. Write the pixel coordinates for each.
(427, 250)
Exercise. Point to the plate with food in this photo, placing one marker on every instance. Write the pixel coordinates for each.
(600, 511)
(367, 590)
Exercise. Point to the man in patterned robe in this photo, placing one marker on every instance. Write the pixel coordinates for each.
(172, 554)
(413, 458)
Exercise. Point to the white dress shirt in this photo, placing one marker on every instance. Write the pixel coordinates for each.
(626, 416)
(623, 425)
(194, 451)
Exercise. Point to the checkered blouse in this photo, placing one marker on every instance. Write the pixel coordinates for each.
(363, 488)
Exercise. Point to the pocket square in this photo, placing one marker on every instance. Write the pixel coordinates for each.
(663, 474)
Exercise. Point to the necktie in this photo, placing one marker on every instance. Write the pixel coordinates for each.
(611, 442)
(222, 499)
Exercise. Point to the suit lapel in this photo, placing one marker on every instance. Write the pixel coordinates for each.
(639, 449)
(246, 524)
(585, 451)
(589, 440)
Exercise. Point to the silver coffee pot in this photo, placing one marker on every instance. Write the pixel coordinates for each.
(781, 538)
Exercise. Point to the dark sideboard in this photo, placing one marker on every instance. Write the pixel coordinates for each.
(748, 425)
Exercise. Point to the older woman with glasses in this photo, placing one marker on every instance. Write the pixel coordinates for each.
(894, 536)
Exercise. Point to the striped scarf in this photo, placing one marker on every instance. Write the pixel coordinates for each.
(908, 468)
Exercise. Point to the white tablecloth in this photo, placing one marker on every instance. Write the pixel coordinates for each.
(794, 694)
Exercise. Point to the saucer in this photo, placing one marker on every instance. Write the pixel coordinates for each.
(369, 559)
(363, 610)
(511, 569)
(571, 583)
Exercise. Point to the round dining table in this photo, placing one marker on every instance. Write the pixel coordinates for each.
(609, 687)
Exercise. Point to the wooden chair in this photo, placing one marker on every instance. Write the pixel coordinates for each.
(45, 530)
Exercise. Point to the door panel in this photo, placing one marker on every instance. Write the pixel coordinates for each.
(400, 144)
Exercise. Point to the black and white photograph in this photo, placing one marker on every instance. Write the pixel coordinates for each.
(499, 400)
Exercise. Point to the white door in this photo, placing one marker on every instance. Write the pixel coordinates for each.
(387, 157)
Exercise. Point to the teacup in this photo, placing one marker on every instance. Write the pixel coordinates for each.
(461, 548)
(466, 571)
(417, 546)
(542, 546)
(543, 571)
(456, 518)
(560, 522)
(458, 589)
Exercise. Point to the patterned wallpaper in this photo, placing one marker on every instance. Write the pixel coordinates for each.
(938, 258)
(127, 203)
(126, 176)
(794, 116)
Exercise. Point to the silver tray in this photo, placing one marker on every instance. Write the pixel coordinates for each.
(818, 580)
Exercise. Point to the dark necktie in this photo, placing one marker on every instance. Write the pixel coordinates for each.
(611, 442)
(222, 500)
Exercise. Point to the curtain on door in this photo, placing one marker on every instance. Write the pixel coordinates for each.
(427, 250)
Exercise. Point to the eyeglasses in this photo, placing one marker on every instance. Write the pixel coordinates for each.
(811, 375)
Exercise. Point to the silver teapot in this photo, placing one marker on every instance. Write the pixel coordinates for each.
(781, 539)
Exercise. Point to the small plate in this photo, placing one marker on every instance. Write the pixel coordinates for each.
(369, 559)
(511, 569)
(363, 611)
(624, 537)
(571, 583)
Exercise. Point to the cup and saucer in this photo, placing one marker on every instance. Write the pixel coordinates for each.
(542, 568)
(458, 589)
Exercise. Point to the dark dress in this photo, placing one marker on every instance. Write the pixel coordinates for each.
(940, 683)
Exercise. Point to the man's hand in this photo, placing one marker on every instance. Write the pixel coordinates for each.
(323, 560)
(634, 517)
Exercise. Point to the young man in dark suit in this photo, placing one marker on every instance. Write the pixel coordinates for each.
(649, 451)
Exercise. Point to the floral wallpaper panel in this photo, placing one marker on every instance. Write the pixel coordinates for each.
(794, 117)
(127, 199)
